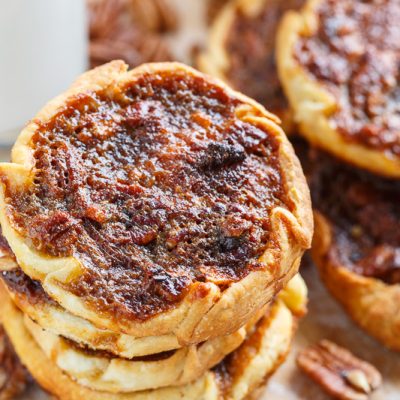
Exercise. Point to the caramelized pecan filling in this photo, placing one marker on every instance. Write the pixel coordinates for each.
(21, 285)
(153, 188)
(364, 211)
(250, 45)
(355, 54)
(4, 247)
(106, 354)
(18, 282)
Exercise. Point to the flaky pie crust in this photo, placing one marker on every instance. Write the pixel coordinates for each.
(253, 365)
(197, 317)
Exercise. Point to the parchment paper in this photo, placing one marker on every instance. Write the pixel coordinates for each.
(325, 318)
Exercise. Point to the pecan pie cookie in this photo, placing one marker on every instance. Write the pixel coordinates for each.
(156, 202)
(241, 51)
(339, 64)
(356, 243)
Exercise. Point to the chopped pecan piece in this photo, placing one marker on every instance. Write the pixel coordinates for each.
(338, 371)
(13, 375)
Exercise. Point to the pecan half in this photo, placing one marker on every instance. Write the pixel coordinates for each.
(338, 371)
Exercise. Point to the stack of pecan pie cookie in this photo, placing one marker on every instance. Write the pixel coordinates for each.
(339, 64)
(154, 221)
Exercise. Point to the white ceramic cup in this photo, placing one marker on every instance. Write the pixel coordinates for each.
(43, 47)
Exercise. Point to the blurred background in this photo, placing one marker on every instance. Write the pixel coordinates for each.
(45, 44)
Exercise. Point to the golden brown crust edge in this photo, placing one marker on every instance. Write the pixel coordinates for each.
(371, 303)
(293, 230)
(313, 105)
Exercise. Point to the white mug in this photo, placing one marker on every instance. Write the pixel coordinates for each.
(43, 47)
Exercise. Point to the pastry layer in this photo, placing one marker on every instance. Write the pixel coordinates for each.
(105, 372)
(235, 378)
(13, 375)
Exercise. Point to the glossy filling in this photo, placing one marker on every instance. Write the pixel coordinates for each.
(86, 350)
(5, 250)
(250, 45)
(24, 287)
(153, 188)
(18, 282)
(364, 211)
(355, 54)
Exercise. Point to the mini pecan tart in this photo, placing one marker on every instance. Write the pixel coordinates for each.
(339, 64)
(241, 51)
(356, 244)
(156, 201)
(236, 377)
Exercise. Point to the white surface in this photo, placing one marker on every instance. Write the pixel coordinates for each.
(43, 47)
